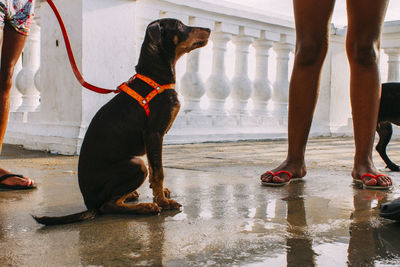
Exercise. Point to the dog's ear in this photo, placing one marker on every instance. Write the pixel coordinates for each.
(154, 32)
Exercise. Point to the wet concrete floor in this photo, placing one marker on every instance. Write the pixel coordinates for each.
(227, 219)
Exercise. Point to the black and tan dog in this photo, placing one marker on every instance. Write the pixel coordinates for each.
(132, 124)
(389, 112)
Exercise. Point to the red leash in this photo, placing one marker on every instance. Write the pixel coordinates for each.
(75, 69)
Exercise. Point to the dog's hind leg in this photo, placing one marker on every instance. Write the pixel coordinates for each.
(133, 196)
(119, 206)
(385, 131)
(124, 179)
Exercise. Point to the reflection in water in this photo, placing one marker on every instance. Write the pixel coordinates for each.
(130, 241)
(9, 245)
(224, 222)
(371, 240)
(299, 242)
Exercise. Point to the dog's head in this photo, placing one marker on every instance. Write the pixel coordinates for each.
(172, 39)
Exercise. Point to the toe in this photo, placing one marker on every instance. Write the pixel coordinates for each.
(278, 179)
(370, 181)
(385, 181)
(266, 177)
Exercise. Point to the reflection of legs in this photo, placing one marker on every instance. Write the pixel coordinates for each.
(299, 243)
(365, 19)
(127, 175)
(361, 251)
(12, 45)
(312, 30)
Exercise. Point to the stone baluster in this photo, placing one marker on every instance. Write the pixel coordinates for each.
(192, 87)
(218, 86)
(241, 84)
(15, 95)
(280, 93)
(393, 64)
(30, 64)
(36, 77)
(262, 86)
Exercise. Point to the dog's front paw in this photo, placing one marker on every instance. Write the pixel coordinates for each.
(170, 204)
(151, 208)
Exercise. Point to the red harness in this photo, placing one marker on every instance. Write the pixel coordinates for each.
(144, 101)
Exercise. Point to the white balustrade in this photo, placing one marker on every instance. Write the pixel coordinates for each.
(241, 84)
(280, 94)
(262, 86)
(58, 122)
(218, 86)
(30, 64)
(15, 95)
(36, 77)
(192, 87)
(393, 64)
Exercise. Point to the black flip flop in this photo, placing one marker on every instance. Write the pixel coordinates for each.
(391, 210)
(30, 184)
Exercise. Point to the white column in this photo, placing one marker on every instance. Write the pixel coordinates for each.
(30, 64)
(262, 86)
(218, 87)
(192, 87)
(393, 64)
(15, 95)
(280, 93)
(36, 77)
(241, 84)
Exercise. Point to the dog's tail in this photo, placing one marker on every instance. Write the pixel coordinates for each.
(77, 217)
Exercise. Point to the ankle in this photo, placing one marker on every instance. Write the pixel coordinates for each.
(295, 162)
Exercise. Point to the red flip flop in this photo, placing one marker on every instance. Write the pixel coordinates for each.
(375, 177)
(291, 179)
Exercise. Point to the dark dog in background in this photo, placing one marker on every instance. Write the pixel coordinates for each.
(109, 170)
(389, 112)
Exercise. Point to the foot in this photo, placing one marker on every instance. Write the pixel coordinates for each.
(374, 178)
(169, 204)
(148, 208)
(297, 171)
(15, 180)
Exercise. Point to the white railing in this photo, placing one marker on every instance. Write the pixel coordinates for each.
(235, 88)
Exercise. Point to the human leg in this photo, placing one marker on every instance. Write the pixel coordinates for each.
(312, 34)
(365, 19)
(12, 45)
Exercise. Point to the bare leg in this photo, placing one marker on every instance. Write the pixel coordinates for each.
(312, 35)
(365, 19)
(12, 45)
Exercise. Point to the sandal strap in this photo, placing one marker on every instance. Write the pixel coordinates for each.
(5, 176)
(279, 172)
(375, 177)
(286, 172)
